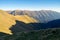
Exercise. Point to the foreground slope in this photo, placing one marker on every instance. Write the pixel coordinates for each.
(6, 21)
(43, 34)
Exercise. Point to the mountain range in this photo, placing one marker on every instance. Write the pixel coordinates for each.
(29, 25)
(41, 16)
(18, 20)
(7, 20)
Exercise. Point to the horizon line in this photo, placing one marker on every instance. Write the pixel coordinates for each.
(29, 10)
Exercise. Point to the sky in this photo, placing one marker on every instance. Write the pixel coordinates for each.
(30, 5)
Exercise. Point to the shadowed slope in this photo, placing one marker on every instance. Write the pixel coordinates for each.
(54, 24)
(45, 34)
(21, 26)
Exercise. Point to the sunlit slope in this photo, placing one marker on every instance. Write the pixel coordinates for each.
(25, 19)
(6, 21)
(43, 16)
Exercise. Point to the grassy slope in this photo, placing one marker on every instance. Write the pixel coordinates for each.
(7, 20)
(25, 19)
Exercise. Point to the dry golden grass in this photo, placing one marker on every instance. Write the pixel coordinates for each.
(7, 20)
(25, 19)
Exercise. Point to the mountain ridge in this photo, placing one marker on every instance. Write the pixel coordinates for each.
(42, 16)
(7, 20)
(33, 17)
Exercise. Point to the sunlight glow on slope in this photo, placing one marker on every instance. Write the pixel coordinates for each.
(7, 20)
(25, 19)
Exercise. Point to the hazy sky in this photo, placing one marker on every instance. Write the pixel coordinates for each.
(30, 5)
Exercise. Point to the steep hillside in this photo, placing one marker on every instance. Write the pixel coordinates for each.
(6, 21)
(25, 27)
(42, 16)
(31, 20)
(25, 19)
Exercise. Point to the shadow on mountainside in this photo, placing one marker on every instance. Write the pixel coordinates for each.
(54, 24)
(21, 26)
(3, 35)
